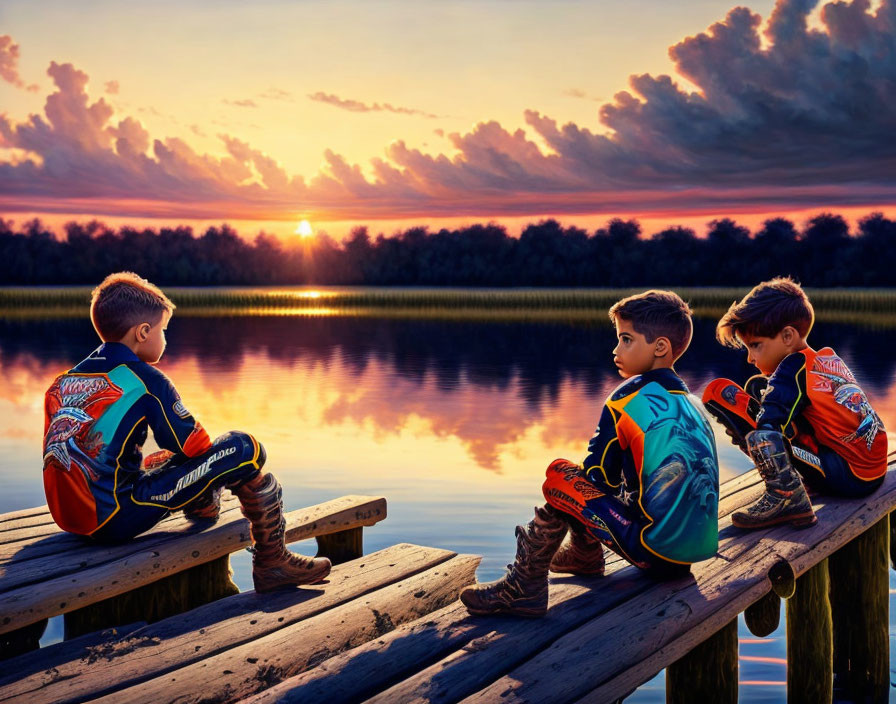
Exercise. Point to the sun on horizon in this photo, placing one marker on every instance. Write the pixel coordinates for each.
(304, 229)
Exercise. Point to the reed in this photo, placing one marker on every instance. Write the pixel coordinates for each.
(866, 307)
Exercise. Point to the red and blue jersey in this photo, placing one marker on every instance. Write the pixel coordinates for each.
(97, 417)
(820, 388)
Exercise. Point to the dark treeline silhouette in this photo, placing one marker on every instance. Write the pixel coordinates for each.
(823, 253)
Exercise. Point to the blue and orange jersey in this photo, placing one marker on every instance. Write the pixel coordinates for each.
(97, 416)
(820, 388)
(655, 450)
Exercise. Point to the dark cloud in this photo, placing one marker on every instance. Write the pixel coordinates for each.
(9, 64)
(357, 106)
(783, 115)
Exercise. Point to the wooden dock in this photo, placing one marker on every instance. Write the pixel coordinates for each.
(387, 627)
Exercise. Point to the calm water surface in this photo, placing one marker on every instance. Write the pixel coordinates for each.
(453, 422)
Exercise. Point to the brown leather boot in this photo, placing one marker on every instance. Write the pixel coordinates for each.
(205, 507)
(273, 566)
(581, 554)
(523, 591)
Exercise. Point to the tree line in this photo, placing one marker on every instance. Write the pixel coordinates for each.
(823, 253)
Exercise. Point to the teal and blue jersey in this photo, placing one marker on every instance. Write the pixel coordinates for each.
(655, 452)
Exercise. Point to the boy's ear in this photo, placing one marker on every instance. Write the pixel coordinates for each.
(788, 334)
(142, 332)
(662, 347)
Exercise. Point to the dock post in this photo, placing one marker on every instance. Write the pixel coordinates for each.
(22, 640)
(342, 546)
(708, 673)
(860, 602)
(809, 641)
(764, 616)
(168, 596)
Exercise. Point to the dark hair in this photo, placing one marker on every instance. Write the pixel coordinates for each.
(656, 314)
(124, 300)
(767, 310)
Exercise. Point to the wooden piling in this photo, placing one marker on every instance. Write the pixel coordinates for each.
(708, 673)
(764, 616)
(22, 640)
(809, 640)
(860, 602)
(168, 596)
(342, 546)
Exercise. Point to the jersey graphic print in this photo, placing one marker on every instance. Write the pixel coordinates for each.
(70, 440)
(831, 375)
(72, 446)
(678, 471)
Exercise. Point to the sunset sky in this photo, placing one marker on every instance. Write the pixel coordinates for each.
(396, 113)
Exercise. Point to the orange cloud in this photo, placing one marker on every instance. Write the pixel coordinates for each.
(777, 104)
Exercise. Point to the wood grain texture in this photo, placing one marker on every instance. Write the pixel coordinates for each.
(244, 670)
(810, 676)
(673, 618)
(116, 662)
(708, 673)
(763, 617)
(860, 604)
(94, 577)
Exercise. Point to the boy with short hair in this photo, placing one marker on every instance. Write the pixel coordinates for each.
(97, 417)
(804, 418)
(648, 488)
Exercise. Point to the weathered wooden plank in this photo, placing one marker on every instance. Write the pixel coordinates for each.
(708, 673)
(810, 676)
(513, 641)
(239, 672)
(169, 596)
(63, 554)
(30, 541)
(361, 672)
(674, 620)
(173, 643)
(860, 604)
(24, 512)
(48, 657)
(26, 604)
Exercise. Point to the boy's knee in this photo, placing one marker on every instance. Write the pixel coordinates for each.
(248, 449)
(561, 466)
(721, 390)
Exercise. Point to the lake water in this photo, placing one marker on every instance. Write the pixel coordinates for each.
(453, 422)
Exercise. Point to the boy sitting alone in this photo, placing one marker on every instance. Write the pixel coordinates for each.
(804, 416)
(649, 487)
(97, 417)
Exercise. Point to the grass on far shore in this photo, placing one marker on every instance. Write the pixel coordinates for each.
(867, 307)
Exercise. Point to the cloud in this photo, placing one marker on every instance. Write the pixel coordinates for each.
(112, 87)
(277, 94)
(9, 64)
(357, 106)
(247, 103)
(782, 116)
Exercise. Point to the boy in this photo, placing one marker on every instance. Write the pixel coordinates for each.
(649, 487)
(804, 415)
(97, 416)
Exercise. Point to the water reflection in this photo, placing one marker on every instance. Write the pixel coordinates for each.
(486, 386)
(452, 421)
